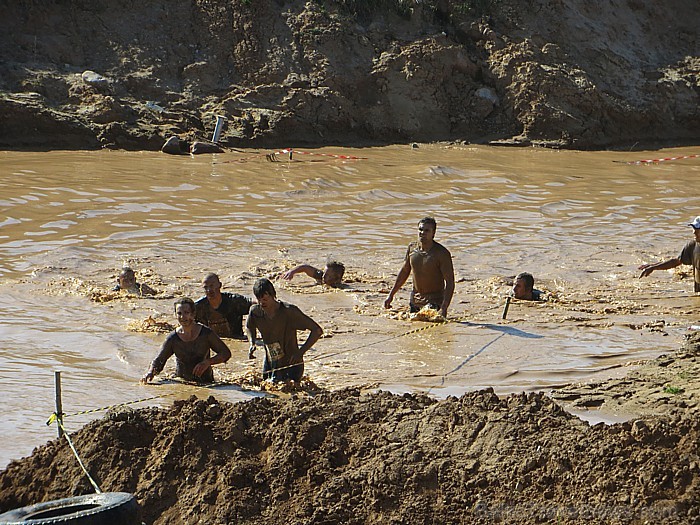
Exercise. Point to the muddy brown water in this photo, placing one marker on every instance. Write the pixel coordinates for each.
(581, 222)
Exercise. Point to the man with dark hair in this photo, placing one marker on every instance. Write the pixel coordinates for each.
(430, 263)
(222, 311)
(689, 255)
(190, 344)
(278, 323)
(331, 275)
(523, 287)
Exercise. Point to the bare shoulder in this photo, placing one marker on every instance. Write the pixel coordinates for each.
(442, 252)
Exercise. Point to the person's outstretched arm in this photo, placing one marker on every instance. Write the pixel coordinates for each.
(665, 265)
(302, 268)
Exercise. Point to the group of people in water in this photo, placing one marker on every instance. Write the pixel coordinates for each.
(219, 314)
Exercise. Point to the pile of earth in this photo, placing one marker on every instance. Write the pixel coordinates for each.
(374, 457)
(577, 74)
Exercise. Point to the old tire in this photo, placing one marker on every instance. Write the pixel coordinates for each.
(109, 508)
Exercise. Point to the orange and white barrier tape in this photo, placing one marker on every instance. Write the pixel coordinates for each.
(272, 156)
(655, 161)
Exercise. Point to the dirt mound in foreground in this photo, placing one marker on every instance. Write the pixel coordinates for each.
(351, 457)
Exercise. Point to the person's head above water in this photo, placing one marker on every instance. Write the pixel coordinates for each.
(696, 228)
(523, 285)
(127, 278)
(184, 302)
(333, 273)
(264, 286)
(211, 285)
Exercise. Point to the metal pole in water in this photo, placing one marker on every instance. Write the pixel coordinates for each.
(505, 308)
(59, 404)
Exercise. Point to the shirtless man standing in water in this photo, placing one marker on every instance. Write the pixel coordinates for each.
(433, 275)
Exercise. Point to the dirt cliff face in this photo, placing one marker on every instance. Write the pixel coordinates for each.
(568, 74)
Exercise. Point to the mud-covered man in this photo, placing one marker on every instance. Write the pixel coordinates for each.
(222, 311)
(126, 280)
(524, 287)
(191, 344)
(331, 275)
(690, 255)
(430, 263)
(278, 323)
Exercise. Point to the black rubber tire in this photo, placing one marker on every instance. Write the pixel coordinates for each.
(108, 508)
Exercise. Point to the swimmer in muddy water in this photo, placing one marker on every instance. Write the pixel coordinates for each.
(127, 281)
(221, 311)
(430, 263)
(690, 255)
(191, 344)
(331, 275)
(278, 323)
(523, 288)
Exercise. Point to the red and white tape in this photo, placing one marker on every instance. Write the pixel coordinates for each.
(272, 156)
(654, 161)
(298, 152)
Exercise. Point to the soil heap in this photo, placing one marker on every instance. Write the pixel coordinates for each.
(577, 74)
(378, 458)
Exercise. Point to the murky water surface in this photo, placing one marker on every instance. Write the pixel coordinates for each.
(580, 222)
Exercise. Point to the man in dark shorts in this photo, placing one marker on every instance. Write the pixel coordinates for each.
(331, 275)
(278, 323)
(190, 344)
(430, 263)
(690, 255)
(523, 287)
(222, 311)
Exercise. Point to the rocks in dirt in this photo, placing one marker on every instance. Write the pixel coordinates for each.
(95, 80)
(205, 147)
(177, 146)
(356, 457)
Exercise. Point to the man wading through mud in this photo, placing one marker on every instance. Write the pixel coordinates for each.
(278, 323)
(221, 311)
(689, 255)
(190, 344)
(433, 275)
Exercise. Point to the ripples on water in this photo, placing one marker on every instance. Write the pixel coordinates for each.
(579, 221)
